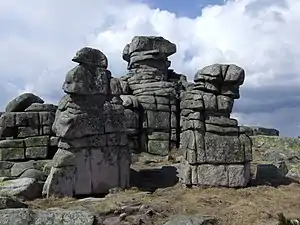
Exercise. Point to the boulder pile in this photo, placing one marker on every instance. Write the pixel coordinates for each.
(27, 142)
(217, 153)
(93, 154)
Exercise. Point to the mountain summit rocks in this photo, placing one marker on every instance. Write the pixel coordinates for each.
(155, 127)
(87, 140)
(93, 154)
(27, 142)
(164, 111)
(217, 153)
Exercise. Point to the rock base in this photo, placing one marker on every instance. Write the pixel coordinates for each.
(224, 175)
(95, 174)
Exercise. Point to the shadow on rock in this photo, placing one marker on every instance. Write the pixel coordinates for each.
(153, 178)
(273, 182)
(271, 175)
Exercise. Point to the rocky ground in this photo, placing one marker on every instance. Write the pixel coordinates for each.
(156, 197)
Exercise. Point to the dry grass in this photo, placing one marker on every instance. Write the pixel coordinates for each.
(248, 206)
(51, 202)
(253, 205)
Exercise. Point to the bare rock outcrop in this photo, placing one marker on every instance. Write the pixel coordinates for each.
(217, 153)
(83, 146)
(26, 138)
(152, 108)
(23, 101)
(93, 153)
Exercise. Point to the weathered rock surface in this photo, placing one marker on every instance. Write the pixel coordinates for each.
(49, 216)
(269, 172)
(279, 150)
(93, 154)
(30, 169)
(7, 202)
(23, 101)
(217, 152)
(39, 107)
(90, 135)
(26, 136)
(153, 121)
(24, 188)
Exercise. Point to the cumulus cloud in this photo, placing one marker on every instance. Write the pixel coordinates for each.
(39, 38)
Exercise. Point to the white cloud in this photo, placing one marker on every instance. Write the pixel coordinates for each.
(39, 38)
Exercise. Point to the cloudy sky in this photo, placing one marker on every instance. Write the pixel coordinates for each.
(38, 39)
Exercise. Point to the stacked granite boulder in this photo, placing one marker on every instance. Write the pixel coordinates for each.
(93, 153)
(217, 153)
(155, 96)
(27, 142)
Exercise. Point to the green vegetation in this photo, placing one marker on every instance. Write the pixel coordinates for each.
(269, 142)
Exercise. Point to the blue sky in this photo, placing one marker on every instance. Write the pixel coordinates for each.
(39, 38)
(189, 8)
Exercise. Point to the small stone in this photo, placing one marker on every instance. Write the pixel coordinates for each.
(144, 208)
(123, 216)
(149, 212)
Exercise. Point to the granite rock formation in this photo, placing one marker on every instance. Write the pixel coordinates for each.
(93, 153)
(164, 111)
(83, 146)
(150, 95)
(27, 142)
(217, 153)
